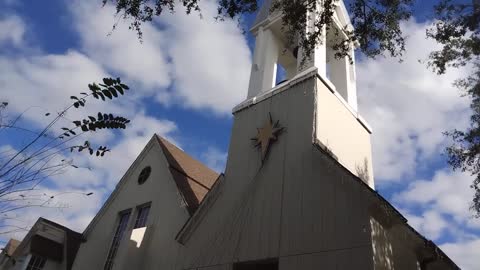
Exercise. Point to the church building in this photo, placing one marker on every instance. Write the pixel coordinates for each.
(298, 191)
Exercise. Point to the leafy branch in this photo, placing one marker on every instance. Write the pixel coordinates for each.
(44, 156)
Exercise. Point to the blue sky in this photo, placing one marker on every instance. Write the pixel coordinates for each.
(188, 74)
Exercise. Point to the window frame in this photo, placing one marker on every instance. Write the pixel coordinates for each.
(36, 262)
(141, 221)
(117, 237)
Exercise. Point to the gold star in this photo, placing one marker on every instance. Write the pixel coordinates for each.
(266, 135)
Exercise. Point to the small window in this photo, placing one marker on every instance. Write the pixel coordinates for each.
(36, 263)
(117, 237)
(144, 174)
(270, 264)
(142, 216)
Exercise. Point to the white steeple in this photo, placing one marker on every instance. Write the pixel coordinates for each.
(271, 50)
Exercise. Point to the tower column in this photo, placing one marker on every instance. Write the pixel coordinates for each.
(264, 66)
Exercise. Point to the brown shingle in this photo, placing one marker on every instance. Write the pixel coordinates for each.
(193, 179)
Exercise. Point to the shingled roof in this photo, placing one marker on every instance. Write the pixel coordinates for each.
(193, 179)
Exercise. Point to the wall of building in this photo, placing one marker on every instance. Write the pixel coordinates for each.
(143, 249)
(299, 206)
(339, 129)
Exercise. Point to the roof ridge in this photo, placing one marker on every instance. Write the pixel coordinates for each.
(164, 140)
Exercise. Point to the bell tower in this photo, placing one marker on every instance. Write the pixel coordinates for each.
(272, 52)
(336, 126)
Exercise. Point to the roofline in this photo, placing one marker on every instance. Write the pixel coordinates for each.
(184, 172)
(192, 223)
(389, 205)
(27, 237)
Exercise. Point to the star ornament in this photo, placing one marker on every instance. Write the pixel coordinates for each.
(266, 135)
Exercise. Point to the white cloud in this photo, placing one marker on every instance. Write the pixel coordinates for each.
(211, 60)
(192, 62)
(215, 159)
(409, 107)
(121, 52)
(71, 208)
(12, 30)
(465, 254)
(448, 193)
(431, 224)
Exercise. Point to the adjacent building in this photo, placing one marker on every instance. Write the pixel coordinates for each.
(48, 245)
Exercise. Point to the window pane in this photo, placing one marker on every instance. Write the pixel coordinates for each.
(36, 263)
(117, 237)
(142, 217)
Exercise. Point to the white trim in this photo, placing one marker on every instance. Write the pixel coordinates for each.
(304, 75)
(332, 89)
(266, 23)
(277, 89)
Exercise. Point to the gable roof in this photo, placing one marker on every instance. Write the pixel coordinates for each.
(193, 179)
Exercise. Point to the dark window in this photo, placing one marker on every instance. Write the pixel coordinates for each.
(36, 263)
(142, 216)
(144, 174)
(117, 237)
(271, 264)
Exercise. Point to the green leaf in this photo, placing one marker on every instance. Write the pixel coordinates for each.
(100, 116)
(113, 91)
(81, 103)
(101, 96)
(74, 97)
(64, 128)
(47, 114)
(84, 128)
(119, 89)
(107, 93)
(124, 86)
(108, 81)
(77, 123)
(76, 104)
(72, 132)
(92, 118)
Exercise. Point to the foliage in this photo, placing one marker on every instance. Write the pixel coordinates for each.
(457, 30)
(376, 23)
(47, 152)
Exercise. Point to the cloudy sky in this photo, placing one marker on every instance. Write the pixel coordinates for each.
(188, 74)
